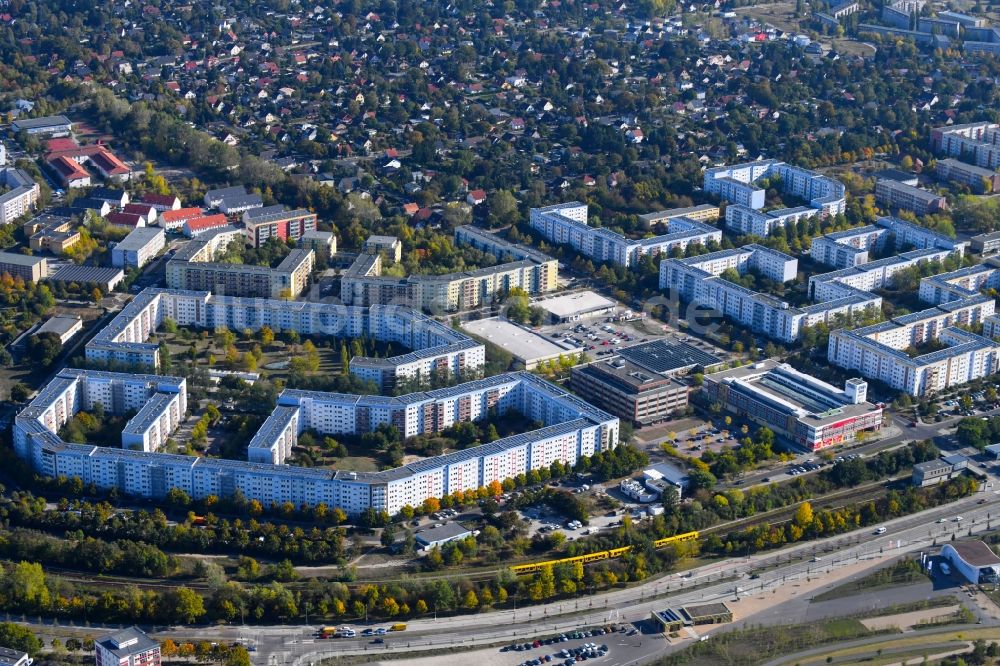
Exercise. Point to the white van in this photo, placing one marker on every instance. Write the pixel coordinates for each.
(880, 530)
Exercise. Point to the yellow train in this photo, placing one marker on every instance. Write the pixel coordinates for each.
(600, 555)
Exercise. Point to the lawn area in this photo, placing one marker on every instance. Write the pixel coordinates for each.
(891, 649)
(759, 644)
(357, 464)
(905, 572)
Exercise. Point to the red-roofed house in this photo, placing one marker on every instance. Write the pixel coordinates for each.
(110, 166)
(161, 202)
(145, 211)
(410, 208)
(70, 173)
(99, 157)
(175, 219)
(129, 220)
(475, 197)
(199, 225)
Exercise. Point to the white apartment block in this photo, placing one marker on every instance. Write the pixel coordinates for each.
(20, 196)
(566, 224)
(844, 249)
(870, 276)
(138, 248)
(958, 285)
(977, 143)
(877, 352)
(737, 184)
(73, 390)
(149, 429)
(921, 238)
(745, 220)
(696, 280)
(436, 348)
(571, 428)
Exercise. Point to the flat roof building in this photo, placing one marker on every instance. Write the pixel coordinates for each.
(576, 306)
(432, 536)
(986, 244)
(806, 410)
(389, 244)
(53, 126)
(138, 248)
(63, 326)
(27, 267)
(630, 391)
(894, 194)
(105, 278)
(700, 213)
(527, 347)
(674, 619)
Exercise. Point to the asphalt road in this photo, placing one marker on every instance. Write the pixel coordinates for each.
(717, 582)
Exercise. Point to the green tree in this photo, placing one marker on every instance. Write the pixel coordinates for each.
(502, 208)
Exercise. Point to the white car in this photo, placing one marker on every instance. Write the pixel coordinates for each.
(958, 519)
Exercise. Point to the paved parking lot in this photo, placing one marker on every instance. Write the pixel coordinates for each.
(600, 338)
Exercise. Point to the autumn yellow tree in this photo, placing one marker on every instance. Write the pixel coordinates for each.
(804, 515)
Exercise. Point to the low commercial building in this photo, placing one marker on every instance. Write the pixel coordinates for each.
(128, 647)
(937, 471)
(51, 126)
(661, 476)
(630, 391)
(806, 410)
(578, 305)
(138, 248)
(432, 536)
(972, 560)
(671, 620)
(64, 326)
(894, 194)
(636, 491)
(527, 347)
(29, 268)
(105, 278)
